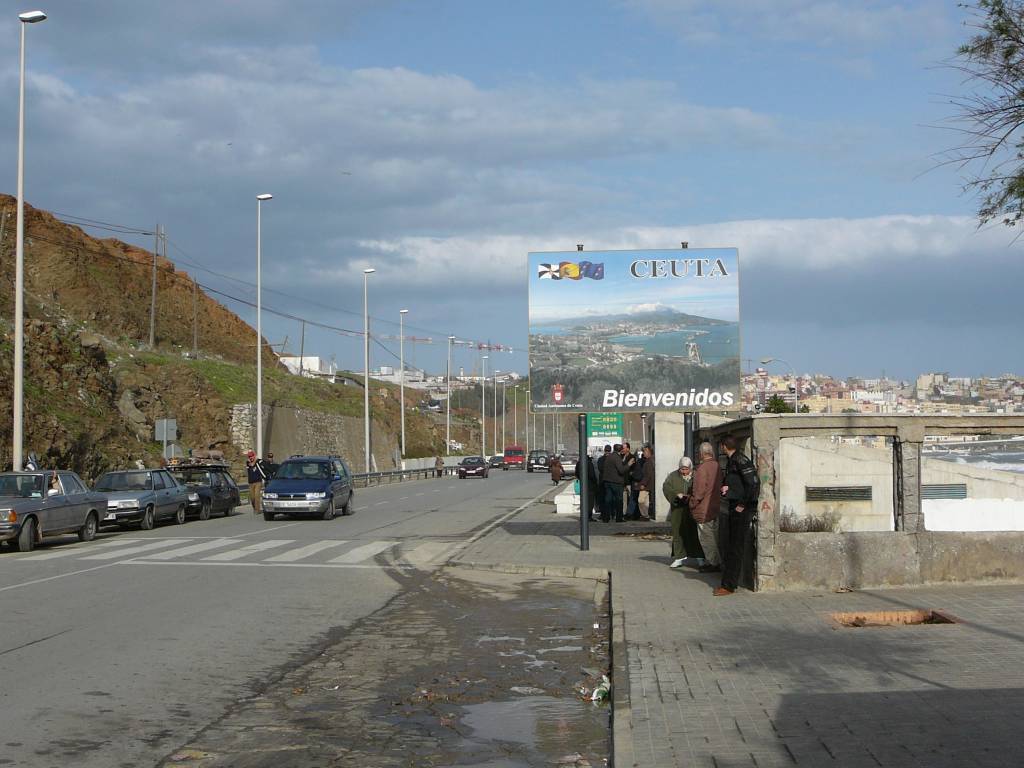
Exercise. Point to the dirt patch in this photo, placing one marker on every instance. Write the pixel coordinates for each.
(475, 669)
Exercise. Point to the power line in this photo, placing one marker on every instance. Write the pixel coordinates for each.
(191, 261)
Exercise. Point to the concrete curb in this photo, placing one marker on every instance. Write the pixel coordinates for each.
(557, 571)
(622, 712)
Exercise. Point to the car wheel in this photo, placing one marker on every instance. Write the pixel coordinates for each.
(204, 511)
(26, 540)
(179, 515)
(88, 530)
(229, 510)
(329, 512)
(148, 520)
(268, 516)
(347, 509)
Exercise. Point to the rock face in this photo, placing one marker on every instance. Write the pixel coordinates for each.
(135, 418)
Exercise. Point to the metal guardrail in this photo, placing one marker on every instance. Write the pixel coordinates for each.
(371, 479)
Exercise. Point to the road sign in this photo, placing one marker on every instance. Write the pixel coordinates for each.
(166, 430)
(604, 425)
(660, 330)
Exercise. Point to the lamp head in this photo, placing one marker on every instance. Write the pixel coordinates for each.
(369, 271)
(403, 311)
(264, 196)
(31, 17)
(768, 360)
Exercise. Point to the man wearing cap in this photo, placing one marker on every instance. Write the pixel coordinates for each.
(257, 476)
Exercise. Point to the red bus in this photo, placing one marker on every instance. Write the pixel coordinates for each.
(515, 457)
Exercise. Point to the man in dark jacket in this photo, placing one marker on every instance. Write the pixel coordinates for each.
(613, 473)
(587, 504)
(742, 489)
(256, 475)
(600, 500)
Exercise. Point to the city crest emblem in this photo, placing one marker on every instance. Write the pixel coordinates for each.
(557, 394)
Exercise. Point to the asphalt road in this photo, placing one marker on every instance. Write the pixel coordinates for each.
(117, 651)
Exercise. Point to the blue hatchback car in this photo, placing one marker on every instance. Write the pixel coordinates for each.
(316, 486)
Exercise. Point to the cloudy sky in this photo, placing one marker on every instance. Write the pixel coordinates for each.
(442, 140)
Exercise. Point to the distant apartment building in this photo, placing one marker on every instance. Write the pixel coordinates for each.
(311, 366)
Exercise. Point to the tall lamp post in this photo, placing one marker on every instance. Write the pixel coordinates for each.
(401, 364)
(796, 381)
(483, 406)
(494, 440)
(366, 371)
(29, 17)
(504, 442)
(260, 199)
(448, 402)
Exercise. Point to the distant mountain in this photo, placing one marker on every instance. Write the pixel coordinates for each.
(661, 316)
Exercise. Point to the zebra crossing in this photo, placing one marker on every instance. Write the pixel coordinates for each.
(225, 551)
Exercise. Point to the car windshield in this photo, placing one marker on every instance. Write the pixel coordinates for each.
(194, 477)
(511, 453)
(303, 470)
(23, 486)
(472, 460)
(125, 481)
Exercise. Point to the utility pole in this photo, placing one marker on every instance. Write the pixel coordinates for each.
(152, 301)
(448, 402)
(195, 319)
(302, 347)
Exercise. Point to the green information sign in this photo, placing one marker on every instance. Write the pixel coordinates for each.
(604, 425)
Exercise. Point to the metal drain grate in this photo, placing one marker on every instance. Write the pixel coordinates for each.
(857, 619)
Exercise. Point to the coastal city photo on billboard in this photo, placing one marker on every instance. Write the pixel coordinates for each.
(640, 330)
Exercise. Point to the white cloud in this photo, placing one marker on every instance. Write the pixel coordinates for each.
(820, 22)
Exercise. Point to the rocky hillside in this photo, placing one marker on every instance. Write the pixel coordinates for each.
(93, 388)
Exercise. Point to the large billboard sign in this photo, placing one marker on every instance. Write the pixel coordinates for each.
(614, 331)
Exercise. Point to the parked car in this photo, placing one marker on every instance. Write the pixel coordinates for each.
(320, 486)
(515, 457)
(496, 462)
(473, 466)
(569, 464)
(143, 496)
(212, 488)
(33, 505)
(538, 461)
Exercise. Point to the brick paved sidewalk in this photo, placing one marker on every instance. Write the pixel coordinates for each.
(766, 679)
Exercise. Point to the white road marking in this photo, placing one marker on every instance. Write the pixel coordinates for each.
(58, 576)
(190, 550)
(419, 494)
(302, 552)
(377, 504)
(156, 544)
(68, 551)
(403, 498)
(364, 552)
(259, 546)
(364, 566)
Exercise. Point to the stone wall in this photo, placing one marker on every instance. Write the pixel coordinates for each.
(288, 431)
(863, 559)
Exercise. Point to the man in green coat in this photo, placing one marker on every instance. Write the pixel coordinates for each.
(676, 490)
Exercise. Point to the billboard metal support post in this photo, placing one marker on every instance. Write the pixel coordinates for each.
(585, 489)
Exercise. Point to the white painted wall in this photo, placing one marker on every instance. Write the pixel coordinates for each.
(973, 514)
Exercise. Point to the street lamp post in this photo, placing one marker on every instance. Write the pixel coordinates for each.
(448, 402)
(366, 372)
(401, 364)
(494, 439)
(515, 414)
(260, 199)
(483, 406)
(29, 17)
(504, 442)
(796, 380)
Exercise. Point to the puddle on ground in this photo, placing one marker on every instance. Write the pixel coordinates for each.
(411, 685)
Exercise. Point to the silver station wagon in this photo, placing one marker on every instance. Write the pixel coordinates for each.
(142, 496)
(47, 503)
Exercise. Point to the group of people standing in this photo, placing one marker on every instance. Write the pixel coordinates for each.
(621, 483)
(695, 498)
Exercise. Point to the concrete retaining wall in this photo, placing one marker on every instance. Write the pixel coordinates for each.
(892, 559)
